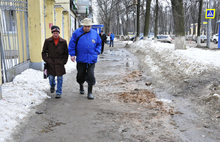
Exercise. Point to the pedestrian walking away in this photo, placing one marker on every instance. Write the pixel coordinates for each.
(84, 47)
(55, 54)
(103, 37)
(112, 36)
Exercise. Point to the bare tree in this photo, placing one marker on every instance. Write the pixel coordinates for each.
(199, 21)
(129, 8)
(120, 16)
(138, 21)
(147, 17)
(178, 14)
(117, 16)
(105, 13)
(194, 15)
(156, 21)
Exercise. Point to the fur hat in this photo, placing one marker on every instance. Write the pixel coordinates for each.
(86, 22)
(55, 29)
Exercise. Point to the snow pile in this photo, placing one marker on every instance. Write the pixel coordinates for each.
(190, 62)
(216, 95)
(127, 42)
(18, 97)
(70, 66)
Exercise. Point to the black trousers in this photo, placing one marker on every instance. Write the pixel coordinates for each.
(85, 72)
(103, 44)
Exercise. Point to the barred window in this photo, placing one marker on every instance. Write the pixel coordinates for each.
(9, 20)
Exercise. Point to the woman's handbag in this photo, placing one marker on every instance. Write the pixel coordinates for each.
(45, 71)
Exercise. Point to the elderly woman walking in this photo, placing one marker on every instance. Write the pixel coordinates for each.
(55, 54)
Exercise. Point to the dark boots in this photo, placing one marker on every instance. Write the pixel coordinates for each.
(52, 90)
(90, 96)
(81, 89)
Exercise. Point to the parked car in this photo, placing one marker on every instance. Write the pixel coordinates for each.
(188, 37)
(130, 34)
(215, 38)
(164, 38)
(141, 38)
(149, 37)
(132, 38)
(203, 38)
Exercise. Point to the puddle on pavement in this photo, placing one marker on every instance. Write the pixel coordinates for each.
(123, 62)
(51, 124)
(121, 81)
(120, 56)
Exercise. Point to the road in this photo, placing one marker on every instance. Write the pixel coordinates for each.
(130, 105)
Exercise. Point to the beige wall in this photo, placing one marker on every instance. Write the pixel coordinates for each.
(36, 29)
(59, 18)
(66, 26)
(21, 35)
(49, 4)
(64, 3)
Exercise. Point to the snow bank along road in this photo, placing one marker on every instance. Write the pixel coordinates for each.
(192, 74)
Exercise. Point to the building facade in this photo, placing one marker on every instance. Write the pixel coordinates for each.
(25, 24)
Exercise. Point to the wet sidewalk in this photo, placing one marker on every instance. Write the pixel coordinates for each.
(203, 45)
(75, 118)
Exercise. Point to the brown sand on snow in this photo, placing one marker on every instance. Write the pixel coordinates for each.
(143, 97)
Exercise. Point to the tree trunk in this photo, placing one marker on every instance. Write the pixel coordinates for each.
(147, 19)
(138, 22)
(178, 16)
(199, 22)
(135, 29)
(156, 22)
(117, 20)
(126, 24)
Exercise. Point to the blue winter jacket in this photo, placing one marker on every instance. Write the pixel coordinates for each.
(112, 36)
(88, 47)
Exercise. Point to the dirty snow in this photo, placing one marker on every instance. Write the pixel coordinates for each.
(192, 61)
(20, 96)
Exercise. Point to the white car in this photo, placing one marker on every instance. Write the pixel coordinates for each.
(203, 39)
(164, 38)
(215, 38)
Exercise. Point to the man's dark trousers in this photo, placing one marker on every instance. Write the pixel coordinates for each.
(103, 44)
(85, 72)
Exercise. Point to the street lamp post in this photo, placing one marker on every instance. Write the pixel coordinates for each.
(209, 27)
(218, 34)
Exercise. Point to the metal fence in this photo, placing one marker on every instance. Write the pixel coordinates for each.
(14, 43)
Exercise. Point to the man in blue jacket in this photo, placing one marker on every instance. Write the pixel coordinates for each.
(86, 45)
(112, 36)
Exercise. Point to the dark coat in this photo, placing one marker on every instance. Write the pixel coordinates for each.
(103, 37)
(55, 56)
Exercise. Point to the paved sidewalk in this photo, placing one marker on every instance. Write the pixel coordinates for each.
(203, 45)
